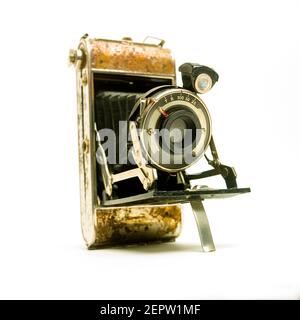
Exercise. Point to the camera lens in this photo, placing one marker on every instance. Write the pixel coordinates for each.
(175, 129)
(180, 129)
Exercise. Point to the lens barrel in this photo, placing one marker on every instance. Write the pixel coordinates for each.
(175, 129)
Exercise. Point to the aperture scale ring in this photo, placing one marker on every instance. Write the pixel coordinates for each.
(164, 100)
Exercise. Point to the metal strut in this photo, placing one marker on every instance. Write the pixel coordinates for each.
(228, 173)
(206, 239)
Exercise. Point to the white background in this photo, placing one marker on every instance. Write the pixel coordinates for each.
(254, 46)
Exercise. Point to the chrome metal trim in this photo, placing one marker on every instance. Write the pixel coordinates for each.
(122, 41)
(148, 174)
(132, 73)
(206, 239)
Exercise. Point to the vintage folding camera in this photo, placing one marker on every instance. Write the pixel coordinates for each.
(138, 132)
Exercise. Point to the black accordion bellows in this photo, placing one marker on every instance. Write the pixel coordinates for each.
(112, 107)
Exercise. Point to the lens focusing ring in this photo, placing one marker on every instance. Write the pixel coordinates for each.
(174, 110)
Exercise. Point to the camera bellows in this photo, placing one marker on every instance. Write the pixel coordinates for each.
(112, 107)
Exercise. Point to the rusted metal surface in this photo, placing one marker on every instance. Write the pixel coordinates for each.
(137, 224)
(132, 57)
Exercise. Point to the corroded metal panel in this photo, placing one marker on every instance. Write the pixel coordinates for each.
(132, 57)
(137, 224)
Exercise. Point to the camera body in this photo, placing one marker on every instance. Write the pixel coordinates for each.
(138, 132)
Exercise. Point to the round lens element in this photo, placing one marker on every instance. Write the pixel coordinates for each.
(180, 125)
(177, 130)
(203, 83)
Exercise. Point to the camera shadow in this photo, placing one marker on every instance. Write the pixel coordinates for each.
(169, 247)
